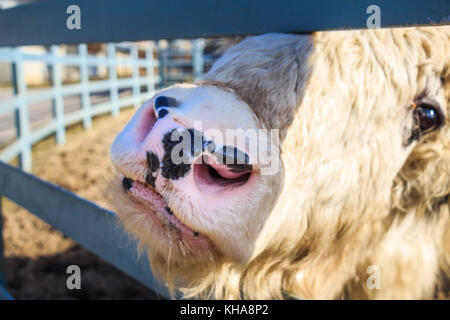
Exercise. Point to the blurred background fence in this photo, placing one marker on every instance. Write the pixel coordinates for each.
(46, 89)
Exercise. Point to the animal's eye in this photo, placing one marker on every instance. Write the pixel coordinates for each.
(428, 116)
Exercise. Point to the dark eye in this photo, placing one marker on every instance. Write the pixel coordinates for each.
(428, 117)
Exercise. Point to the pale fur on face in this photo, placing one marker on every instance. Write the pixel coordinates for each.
(354, 191)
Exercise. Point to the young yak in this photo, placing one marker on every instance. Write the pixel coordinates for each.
(354, 200)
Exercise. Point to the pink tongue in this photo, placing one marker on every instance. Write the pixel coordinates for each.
(225, 172)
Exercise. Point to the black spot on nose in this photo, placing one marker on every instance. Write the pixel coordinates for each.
(169, 211)
(170, 169)
(152, 161)
(164, 101)
(127, 183)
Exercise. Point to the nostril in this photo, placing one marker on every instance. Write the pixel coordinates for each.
(161, 104)
(164, 101)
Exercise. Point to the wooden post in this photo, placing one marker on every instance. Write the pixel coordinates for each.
(58, 106)
(114, 93)
(22, 116)
(84, 78)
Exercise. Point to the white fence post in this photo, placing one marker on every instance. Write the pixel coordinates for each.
(22, 115)
(114, 93)
(58, 106)
(149, 56)
(197, 58)
(84, 78)
(134, 53)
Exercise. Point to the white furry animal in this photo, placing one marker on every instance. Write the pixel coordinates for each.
(363, 178)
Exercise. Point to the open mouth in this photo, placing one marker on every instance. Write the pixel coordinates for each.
(211, 174)
(158, 209)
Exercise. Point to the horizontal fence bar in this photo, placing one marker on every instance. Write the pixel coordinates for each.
(13, 150)
(6, 54)
(91, 226)
(72, 89)
(114, 21)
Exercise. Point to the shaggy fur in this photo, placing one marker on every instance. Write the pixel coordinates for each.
(354, 190)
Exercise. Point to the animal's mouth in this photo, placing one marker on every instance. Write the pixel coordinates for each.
(162, 214)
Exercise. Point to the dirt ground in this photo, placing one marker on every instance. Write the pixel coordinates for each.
(37, 255)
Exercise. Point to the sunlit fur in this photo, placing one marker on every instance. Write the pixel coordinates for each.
(352, 191)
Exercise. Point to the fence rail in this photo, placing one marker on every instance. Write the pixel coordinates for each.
(23, 98)
(112, 21)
